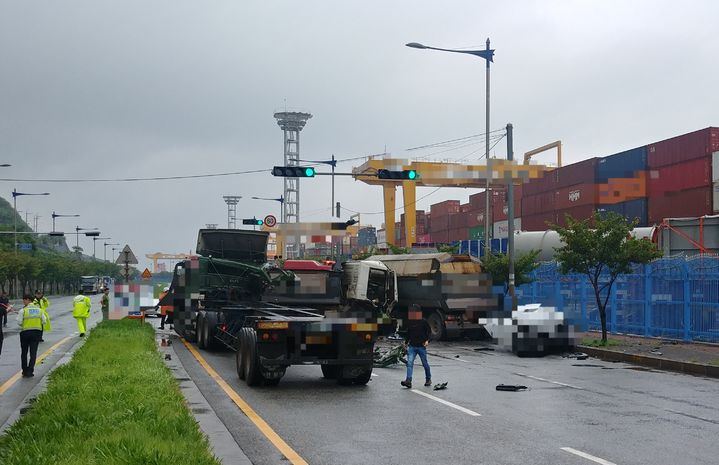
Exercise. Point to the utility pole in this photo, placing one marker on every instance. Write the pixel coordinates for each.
(510, 217)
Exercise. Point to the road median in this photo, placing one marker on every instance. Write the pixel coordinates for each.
(115, 402)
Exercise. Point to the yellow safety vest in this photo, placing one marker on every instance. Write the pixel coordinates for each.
(80, 306)
(31, 317)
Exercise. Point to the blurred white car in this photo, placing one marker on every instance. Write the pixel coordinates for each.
(531, 330)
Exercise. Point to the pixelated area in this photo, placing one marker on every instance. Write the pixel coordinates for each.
(128, 300)
(531, 329)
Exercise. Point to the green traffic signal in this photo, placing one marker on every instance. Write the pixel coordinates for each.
(309, 172)
(411, 174)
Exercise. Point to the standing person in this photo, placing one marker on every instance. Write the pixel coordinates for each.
(4, 307)
(105, 304)
(42, 302)
(166, 309)
(81, 312)
(418, 333)
(30, 320)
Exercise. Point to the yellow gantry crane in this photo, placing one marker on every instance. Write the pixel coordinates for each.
(437, 174)
(157, 256)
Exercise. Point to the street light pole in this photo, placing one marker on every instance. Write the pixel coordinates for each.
(94, 239)
(104, 251)
(488, 55)
(56, 215)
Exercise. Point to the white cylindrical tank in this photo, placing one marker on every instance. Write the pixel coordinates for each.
(544, 241)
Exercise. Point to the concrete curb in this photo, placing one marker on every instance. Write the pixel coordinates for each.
(221, 441)
(691, 368)
(40, 386)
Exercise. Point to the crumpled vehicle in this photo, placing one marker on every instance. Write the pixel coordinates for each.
(532, 330)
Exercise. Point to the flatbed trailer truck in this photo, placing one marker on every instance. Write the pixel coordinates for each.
(218, 300)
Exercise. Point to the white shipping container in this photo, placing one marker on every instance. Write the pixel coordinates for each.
(715, 171)
(501, 228)
(381, 237)
(716, 197)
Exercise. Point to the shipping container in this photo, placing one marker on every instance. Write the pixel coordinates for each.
(575, 196)
(538, 222)
(580, 213)
(683, 176)
(631, 210)
(439, 223)
(476, 232)
(500, 207)
(500, 229)
(548, 182)
(459, 234)
(473, 218)
(464, 208)
(621, 165)
(445, 208)
(577, 173)
(689, 146)
(683, 204)
(538, 203)
(715, 167)
(423, 238)
(477, 201)
(458, 220)
(618, 190)
(715, 200)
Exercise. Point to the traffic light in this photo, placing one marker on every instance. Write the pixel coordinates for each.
(410, 175)
(252, 221)
(294, 171)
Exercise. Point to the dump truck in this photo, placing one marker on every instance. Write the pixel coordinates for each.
(451, 289)
(220, 300)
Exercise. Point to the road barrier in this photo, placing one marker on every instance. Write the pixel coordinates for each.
(671, 297)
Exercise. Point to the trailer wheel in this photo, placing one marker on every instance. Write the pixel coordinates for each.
(253, 375)
(364, 377)
(210, 326)
(331, 371)
(200, 330)
(240, 355)
(437, 326)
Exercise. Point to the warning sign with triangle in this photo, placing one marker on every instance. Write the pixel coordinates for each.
(126, 256)
(146, 274)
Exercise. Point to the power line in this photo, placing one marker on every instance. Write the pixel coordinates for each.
(156, 178)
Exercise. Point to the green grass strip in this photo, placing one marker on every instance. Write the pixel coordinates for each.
(115, 403)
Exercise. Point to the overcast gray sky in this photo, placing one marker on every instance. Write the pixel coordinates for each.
(106, 89)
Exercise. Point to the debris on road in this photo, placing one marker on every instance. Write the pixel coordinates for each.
(389, 357)
(440, 386)
(511, 387)
(576, 355)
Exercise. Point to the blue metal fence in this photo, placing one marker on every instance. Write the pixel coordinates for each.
(670, 297)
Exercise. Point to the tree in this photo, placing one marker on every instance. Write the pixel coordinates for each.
(497, 265)
(602, 253)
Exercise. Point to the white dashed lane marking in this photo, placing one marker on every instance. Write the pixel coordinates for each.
(587, 456)
(549, 381)
(447, 403)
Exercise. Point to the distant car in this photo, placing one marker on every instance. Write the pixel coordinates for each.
(531, 330)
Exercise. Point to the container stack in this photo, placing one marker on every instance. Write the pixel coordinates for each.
(537, 202)
(622, 184)
(441, 219)
(680, 181)
(500, 210)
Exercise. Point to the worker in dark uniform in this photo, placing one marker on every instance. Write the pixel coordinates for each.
(418, 333)
(30, 320)
(4, 307)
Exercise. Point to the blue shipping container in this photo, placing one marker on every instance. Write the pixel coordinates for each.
(622, 165)
(630, 210)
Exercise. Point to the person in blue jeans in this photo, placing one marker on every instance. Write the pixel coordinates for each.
(418, 333)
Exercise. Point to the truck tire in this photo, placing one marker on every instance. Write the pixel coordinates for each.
(331, 371)
(253, 374)
(200, 330)
(364, 378)
(240, 354)
(211, 343)
(436, 324)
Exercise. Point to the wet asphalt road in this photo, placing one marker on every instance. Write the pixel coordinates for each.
(610, 411)
(63, 325)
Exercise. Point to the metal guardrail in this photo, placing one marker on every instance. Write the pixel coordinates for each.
(671, 297)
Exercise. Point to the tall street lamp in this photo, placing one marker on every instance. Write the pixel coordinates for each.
(91, 232)
(113, 252)
(104, 251)
(93, 244)
(281, 199)
(488, 55)
(57, 215)
(15, 195)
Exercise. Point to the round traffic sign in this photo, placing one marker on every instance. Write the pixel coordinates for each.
(270, 221)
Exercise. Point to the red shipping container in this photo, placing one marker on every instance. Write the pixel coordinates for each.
(536, 204)
(465, 208)
(537, 222)
(440, 223)
(458, 221)
(575, 196)
(445, 208)
(577, 173)
(689, 203)
(695, 144)
(582, 212)
(499, 206)
(680, 177)
(548, 182)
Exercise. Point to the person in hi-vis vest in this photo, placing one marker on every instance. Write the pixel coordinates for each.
(30, 320)
(81, 312)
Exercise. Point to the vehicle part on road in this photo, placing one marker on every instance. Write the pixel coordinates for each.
(391, 356)
(487, 349)
(511, 387)
(576, 355)
(440, 386)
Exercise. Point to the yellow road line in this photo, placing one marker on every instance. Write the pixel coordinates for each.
(261, 424)
(8, 384)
